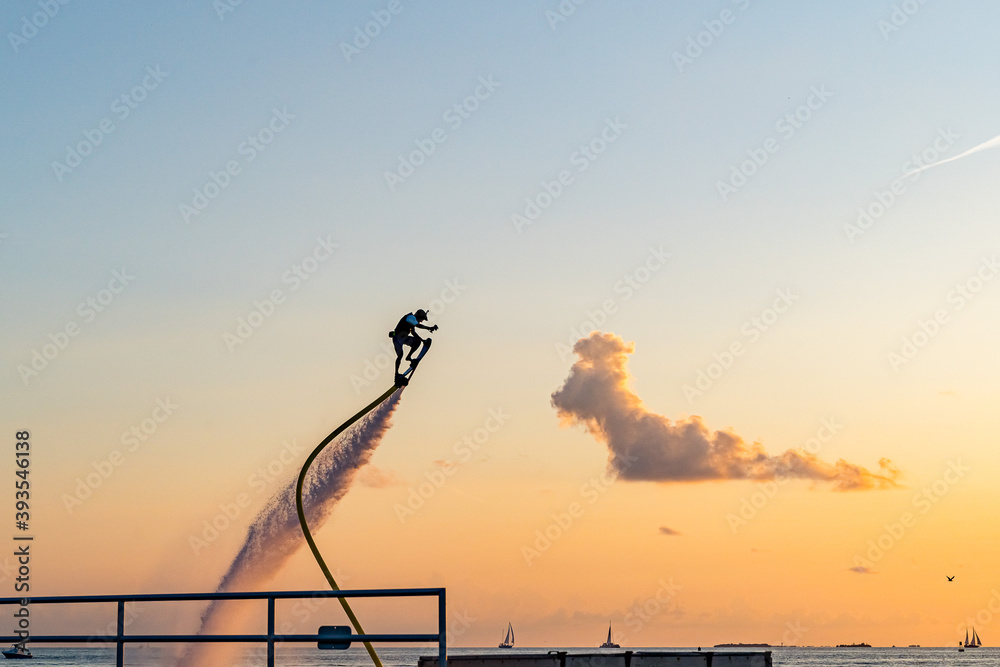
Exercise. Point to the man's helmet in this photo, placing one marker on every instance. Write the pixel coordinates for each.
(421, 315)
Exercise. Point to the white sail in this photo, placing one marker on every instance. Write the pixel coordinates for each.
(976, 642)
(609, 643)
(508, 640)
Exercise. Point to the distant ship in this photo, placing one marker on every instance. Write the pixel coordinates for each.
(861, 645)
(609, 643)
(975, 643)
(508, 641)
(17, 652)
(742, 645)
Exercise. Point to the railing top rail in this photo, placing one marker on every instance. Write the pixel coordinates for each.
(264, 595)
(242, 639)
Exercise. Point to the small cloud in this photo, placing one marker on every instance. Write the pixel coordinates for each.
(861, 569)
(668, 531)
(377, 478)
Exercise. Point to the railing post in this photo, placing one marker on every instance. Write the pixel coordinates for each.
(442, 630)
(120, 637)
(270, 631)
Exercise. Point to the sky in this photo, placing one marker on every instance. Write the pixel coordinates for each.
(213, 212)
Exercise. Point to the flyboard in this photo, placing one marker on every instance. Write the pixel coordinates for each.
(402, 379)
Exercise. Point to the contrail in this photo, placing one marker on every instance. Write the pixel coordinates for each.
(992, 143)
(275, 534)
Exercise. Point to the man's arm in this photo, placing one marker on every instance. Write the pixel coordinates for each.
(432, 328)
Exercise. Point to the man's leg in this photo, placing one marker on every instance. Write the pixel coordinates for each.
(398, 344)
(414, 343)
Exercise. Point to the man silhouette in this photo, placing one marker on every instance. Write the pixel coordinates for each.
(405, 335)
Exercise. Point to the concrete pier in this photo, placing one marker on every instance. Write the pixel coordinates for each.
(610, 659)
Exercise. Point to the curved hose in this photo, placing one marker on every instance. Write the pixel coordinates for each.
(302, 515)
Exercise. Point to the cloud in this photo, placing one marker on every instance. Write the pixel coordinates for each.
(668, 531)
(645, 446)
(861, 569)
(377, 478)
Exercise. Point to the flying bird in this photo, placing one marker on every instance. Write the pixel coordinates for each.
(952, 578)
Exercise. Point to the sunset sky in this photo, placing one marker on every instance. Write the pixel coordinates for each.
(213, 212)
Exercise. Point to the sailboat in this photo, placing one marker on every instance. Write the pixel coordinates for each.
(609, 643)
(975, 643)
(508, 641)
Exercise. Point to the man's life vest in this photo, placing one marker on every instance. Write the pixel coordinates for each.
(403, 328)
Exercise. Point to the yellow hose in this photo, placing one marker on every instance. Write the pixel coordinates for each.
(305, 528)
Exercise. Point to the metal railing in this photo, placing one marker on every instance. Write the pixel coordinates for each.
(120, 638)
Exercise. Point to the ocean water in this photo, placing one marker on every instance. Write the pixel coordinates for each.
(309, 656)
